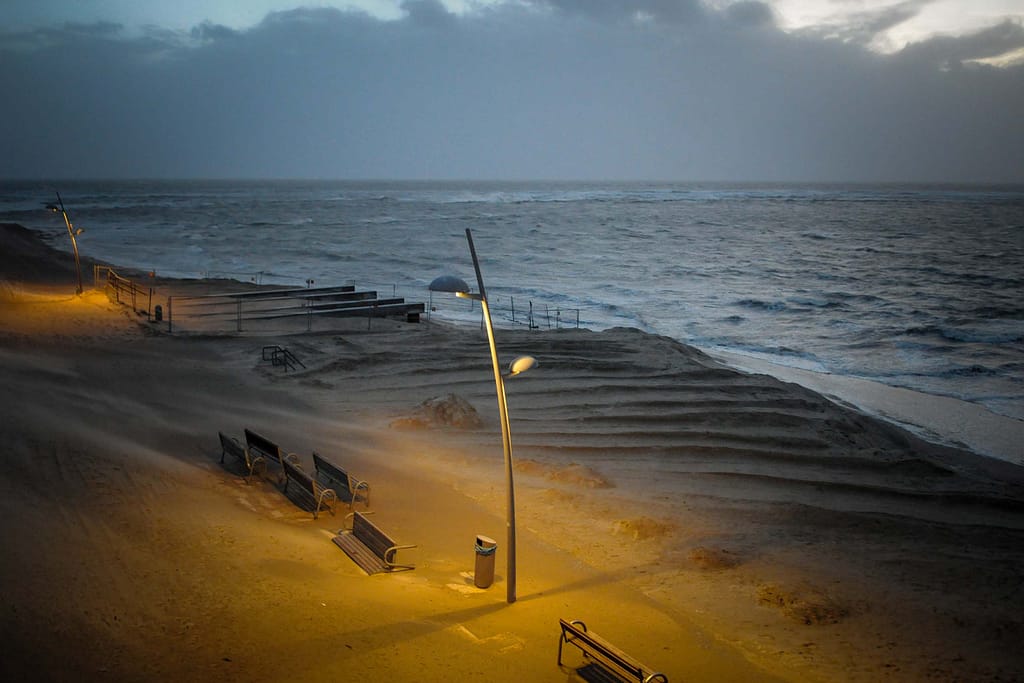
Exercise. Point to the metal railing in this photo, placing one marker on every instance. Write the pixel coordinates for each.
(123, 290)
(532, 319)
(278, 355)
(297, 303)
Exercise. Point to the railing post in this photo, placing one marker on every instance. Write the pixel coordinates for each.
(170, 316)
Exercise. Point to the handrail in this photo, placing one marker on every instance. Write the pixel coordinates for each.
(129, 289)
(281, 356)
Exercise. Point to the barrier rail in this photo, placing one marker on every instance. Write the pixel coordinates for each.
(123, 290)
(296, 303)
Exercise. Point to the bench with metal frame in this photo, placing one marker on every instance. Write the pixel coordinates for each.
(270, 450)
(231, 445)
(603, 662)
(349, 489)
(369, 547)
(311, 491)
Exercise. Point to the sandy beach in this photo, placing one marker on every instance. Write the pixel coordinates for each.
(718, 525)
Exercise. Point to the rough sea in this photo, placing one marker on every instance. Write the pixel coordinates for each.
(910, 285)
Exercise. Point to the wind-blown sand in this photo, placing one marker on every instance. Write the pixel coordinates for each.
(719, 526)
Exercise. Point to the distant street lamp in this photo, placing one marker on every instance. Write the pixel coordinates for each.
(72, 233)
(519, 365)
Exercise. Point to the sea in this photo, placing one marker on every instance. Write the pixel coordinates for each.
(915, 286)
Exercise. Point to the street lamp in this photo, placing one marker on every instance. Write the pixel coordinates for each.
(519, 365)
(72, 233)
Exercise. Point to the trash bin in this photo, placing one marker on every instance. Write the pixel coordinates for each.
(486, 547)
(158, 313)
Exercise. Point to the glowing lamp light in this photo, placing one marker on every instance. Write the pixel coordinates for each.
(521, 365)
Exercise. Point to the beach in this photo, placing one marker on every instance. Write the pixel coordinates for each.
(718, 525)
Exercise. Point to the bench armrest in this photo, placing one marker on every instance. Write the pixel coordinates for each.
(390, 553)
(355, 486)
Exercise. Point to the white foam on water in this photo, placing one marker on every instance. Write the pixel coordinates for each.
(940, 419)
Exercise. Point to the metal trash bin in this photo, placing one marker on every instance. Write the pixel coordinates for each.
(486, 548)
(158, 313)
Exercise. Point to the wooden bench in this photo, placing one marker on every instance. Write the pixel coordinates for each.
(603, 661)
(271, 451)
(368, 546)
(310, 489)
(349, 489)
(229, 445)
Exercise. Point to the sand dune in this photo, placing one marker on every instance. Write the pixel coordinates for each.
(718, 525)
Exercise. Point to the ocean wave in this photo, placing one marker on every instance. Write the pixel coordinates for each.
(761, 305)
(1011, 335)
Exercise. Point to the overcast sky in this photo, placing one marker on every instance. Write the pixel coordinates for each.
(829, 90)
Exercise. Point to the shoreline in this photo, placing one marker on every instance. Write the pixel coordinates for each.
(944, 420)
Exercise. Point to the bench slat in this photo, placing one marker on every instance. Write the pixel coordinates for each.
(263, 445)
(360, 554)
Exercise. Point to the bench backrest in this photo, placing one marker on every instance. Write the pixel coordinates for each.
(372, 537)
(609, 656)
(293, 471)
(230, 444)
(263, 444)
(332, 471)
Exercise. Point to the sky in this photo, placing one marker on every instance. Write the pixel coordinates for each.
(691, 90)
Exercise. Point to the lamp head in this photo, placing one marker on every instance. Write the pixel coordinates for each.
(521, 365)
(449, 283)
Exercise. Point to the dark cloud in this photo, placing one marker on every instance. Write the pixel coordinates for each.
(864, 27)
(427, 12)
(946, 51)
(631, 10)
(208, 32)
(750, 13)
(563, 90)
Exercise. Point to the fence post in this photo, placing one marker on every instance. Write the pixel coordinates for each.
(170, 316)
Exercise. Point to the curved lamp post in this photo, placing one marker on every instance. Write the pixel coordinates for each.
(72, 233)
(519, 365)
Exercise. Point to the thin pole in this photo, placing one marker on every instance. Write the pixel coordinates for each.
(74, 242)
(506, 437)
